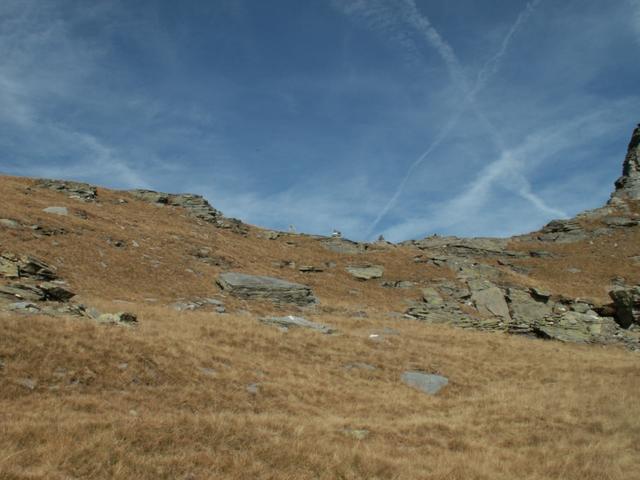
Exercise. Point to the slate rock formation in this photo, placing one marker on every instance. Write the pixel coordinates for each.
(255, 287)
(628, 185)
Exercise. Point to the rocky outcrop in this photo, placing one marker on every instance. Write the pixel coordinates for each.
(196, 205)
(19, 266)
(628, 185)
(254, 287)
(562, 231)
(78, 190)
(343, 245)
(627, 305)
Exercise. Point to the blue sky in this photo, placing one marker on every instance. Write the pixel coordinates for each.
(395, 117)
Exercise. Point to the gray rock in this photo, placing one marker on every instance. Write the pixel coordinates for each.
(574, 327)
(253, 388)
(431, 296)
(360, 366)
(255, 287)
(291, 321)
(627, 305)
(357, 433)
(57, 211)
(489, 299)
(628, 185)
(366, 271)
(562, 231)
(56, 292)
(27, 383)
(425, 382)
(26, 307)
(398, 284)
(79, 190)
(18, 291)
(527, 309)
(8, 223)
(310, 269)
(620, 222)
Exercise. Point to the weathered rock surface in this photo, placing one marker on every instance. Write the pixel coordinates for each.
(627, 305)
(79, 190)
(291, 321)
(489, 300)
(442, 248)
(199, 303)
(18, 266)
(366, 271)
(255, 287)
(628, 185)
(562, 231)
(342, 245)
(425, 382)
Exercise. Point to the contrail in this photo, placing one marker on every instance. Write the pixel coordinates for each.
(446, 52)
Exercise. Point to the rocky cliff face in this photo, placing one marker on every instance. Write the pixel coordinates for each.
(628, 185)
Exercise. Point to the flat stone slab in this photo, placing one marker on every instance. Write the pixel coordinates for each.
(255, 287)
(425, 382)
(291, 321)
(57, 211)
(366, 272)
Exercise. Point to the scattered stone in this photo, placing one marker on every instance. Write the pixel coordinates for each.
(573, 270)
(8, 223)
(198, 303)
(398, 284)
(78, 190)
(27, 383)
(272, 235)
(57, 211)
(254, 287)
(359, 366)
(310, 269)
(425, 382)
(342, 245)
(627, 305)
(291, 321)
(253, 388)
(431, 296)
(120, 318)
(366, 271)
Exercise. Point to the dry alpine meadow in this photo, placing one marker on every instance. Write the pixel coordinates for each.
(145, 335)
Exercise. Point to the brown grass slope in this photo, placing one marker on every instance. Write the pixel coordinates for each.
(169, 398)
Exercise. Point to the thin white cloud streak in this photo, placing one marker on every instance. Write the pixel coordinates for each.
(535, 149)
(421, 23)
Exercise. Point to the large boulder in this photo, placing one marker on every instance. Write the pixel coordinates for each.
(255, 287)
(627, 305)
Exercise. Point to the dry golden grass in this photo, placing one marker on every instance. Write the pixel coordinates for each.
(168, 399)
(515, 408)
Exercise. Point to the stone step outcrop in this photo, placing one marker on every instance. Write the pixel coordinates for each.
(256, 287)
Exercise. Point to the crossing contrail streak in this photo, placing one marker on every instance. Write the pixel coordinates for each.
(412, 16)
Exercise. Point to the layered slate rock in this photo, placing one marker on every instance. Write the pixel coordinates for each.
(343, 245)
(562, 231)
(366, 271)
(17, 266)
(78, 190)
(255, 287)
(196, 205)
(627, 305)
(628, 185)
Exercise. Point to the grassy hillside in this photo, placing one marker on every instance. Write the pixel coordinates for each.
(199, 395)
